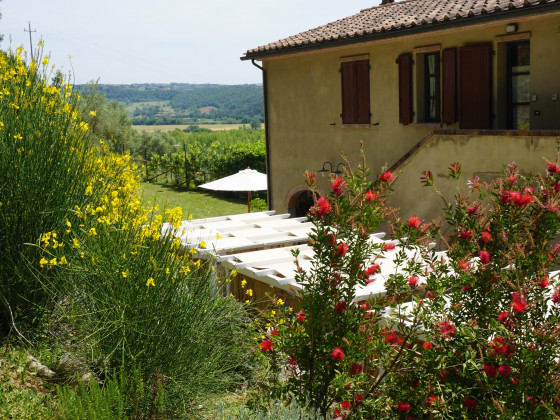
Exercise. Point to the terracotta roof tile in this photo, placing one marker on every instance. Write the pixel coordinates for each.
(394, 17)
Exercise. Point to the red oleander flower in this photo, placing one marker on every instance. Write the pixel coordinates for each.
(388, 246)
(322, 207)
(469, 403)
(518, 303)
(486, 237)
(466, 234)
(370, 196)
(503, 317)
(504, 370)
(356, 368)
(464, 265)
(266, 345)
(446, 329)
(386, 177)
(340, 306)
(403, 407)
(484, 257)
(472, 210)
(338, 186)
(338, 354)
(523, 200)
(371, 271)
(553, 168)
(413, 281)
(393, 338)
(414, 222)
(497, 346)
(301, 316)
(341, 249)
(556, 296)
(490, 370)
(345, 405)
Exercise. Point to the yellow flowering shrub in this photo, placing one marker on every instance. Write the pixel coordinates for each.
(75, 235)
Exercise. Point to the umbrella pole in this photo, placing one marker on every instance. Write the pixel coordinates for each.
(248, 201)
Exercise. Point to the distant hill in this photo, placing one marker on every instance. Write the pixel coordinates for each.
(185, 103)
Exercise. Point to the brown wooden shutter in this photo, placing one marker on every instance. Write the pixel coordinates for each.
(405, 88)
(349, 110)
(355, 92)
(475, 86)
(449, 88)
(362, 92)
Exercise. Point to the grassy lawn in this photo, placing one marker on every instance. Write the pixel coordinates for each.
(199, 203)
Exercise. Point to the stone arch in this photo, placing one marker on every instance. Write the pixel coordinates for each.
(299, 200)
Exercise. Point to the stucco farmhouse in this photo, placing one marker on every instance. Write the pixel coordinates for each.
(423, 83)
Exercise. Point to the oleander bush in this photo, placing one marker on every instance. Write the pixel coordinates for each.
(467, 334)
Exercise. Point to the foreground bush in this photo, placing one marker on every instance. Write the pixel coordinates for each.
(44, 173)
(469, 334)
(489, 315)
(76, 241)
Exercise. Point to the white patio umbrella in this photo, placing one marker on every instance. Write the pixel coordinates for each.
(245, 180)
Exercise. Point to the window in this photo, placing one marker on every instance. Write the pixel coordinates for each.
(354, 73)
(436, 75)
(518, 78)
(432, 87)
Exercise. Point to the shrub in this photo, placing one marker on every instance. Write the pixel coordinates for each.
(278, 411)
(327, 344)
(258, 204)
(45, 168)
(75, 237)
(138, 299)
(489, 313)
(470, 334)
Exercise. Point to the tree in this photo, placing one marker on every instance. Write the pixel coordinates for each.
(108, 120)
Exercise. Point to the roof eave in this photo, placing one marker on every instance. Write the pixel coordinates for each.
(432, 27)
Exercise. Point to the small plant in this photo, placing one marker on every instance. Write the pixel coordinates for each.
(258, 204)
(278, 411)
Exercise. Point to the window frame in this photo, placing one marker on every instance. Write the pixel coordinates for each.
(428, 98)
(355, 91)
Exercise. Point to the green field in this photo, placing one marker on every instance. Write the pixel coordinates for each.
(200, 204)
(171, 127)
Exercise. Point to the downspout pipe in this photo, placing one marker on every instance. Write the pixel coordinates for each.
(266, 134)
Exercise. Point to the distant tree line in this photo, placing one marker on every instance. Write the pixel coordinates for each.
(176, 103)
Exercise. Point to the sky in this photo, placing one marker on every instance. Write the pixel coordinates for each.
(162, 41)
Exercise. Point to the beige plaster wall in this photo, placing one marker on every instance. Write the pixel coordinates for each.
(304, 95)
(481, 155)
